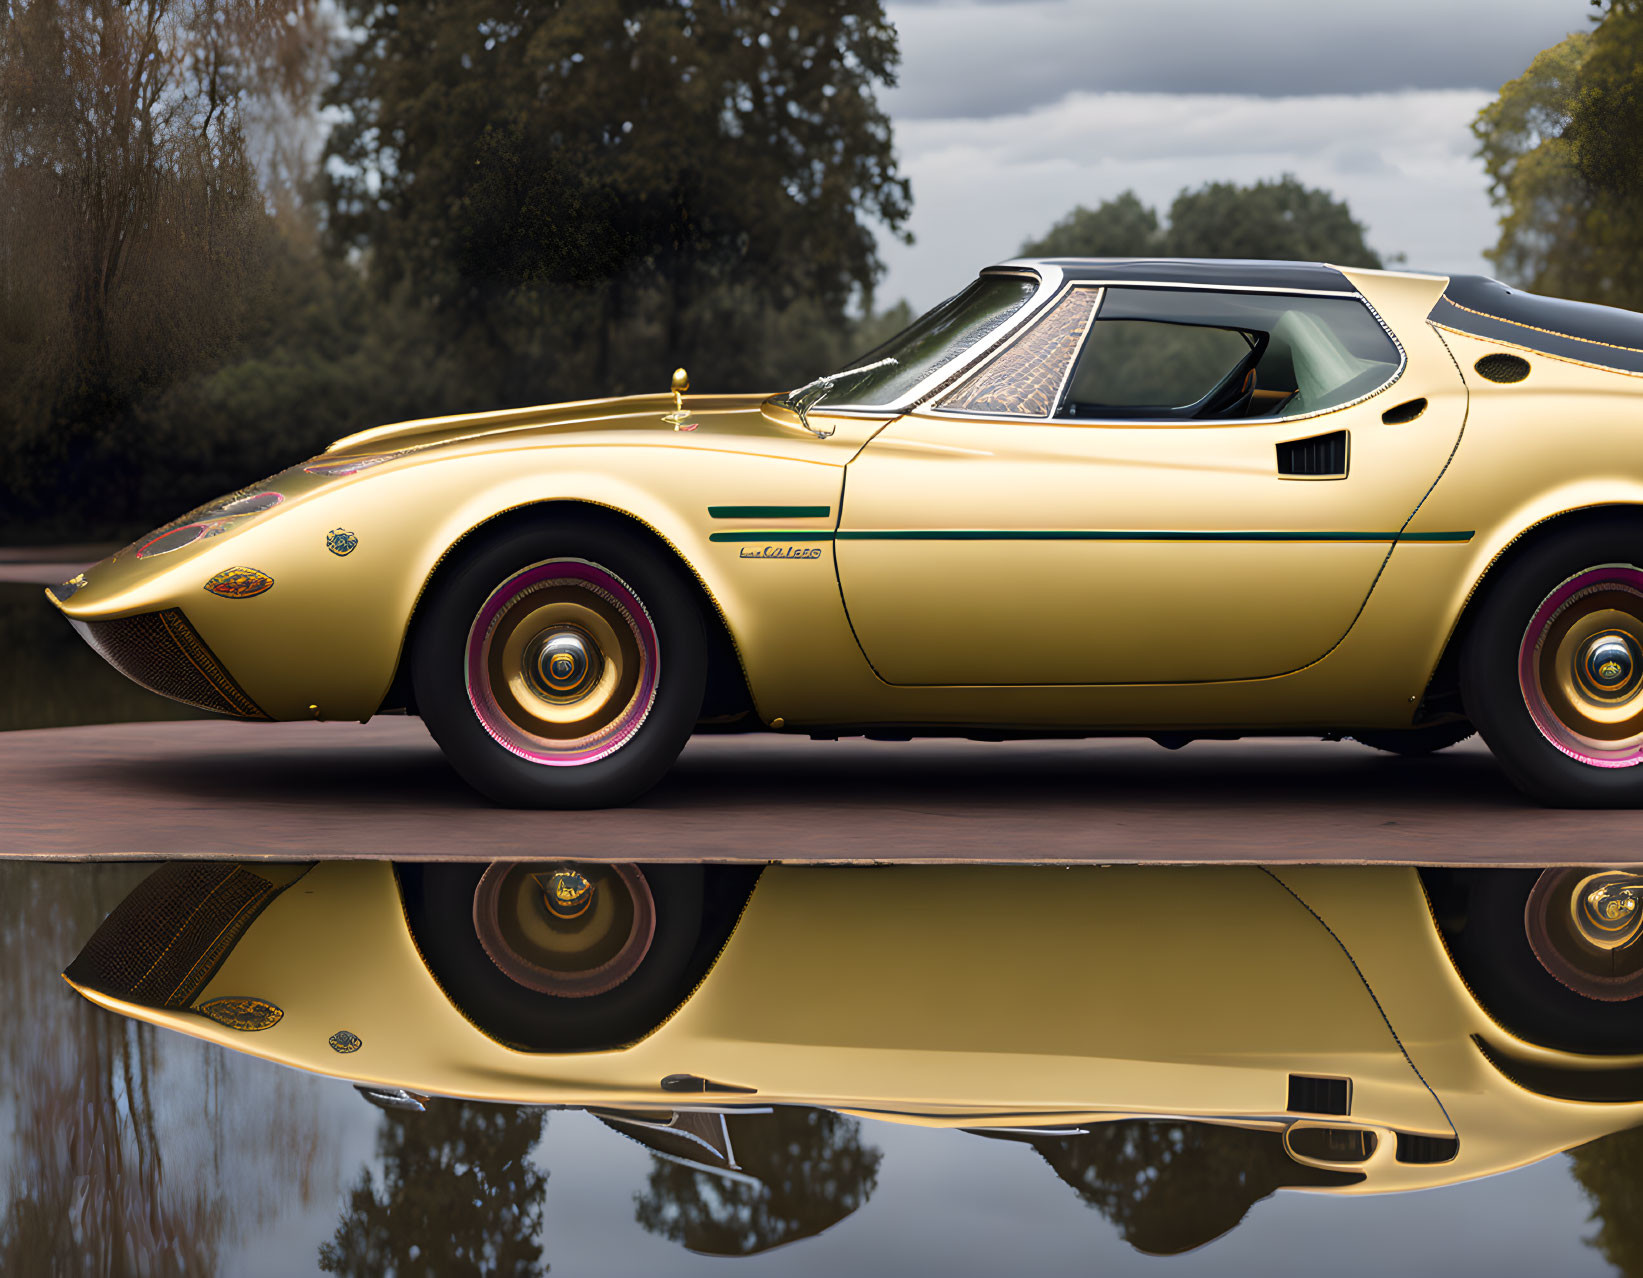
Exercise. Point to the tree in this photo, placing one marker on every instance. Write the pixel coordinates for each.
(1545, 240)
(1607, 155)
(1120, 227)
(1281, 219)
(1170, 1186)
(801, 1172)
(1564, 154)
(458, 1196)
(1610, 1171)
(652, 172)
(132, 224)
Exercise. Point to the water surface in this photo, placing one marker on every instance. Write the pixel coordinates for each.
(132, 1150)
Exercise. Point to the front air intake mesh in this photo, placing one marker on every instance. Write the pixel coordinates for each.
(1319, 456)
(161, 651)
(1310, 1095)
(1502, 368)
(165, 941)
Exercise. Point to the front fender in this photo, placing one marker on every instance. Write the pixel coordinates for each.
(325, 639)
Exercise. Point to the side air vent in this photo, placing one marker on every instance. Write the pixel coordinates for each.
(1318, 457)
(1502, 368)
(1413, 1148)
(1309, 1095)
(1405, 412)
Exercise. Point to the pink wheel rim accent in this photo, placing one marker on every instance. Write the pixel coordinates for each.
(1576, 745)
(605, 740)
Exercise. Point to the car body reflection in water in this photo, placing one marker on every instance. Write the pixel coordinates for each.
(1176, 1044)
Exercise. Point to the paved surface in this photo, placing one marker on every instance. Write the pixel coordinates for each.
(224, 789)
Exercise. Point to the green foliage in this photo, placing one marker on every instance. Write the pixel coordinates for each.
(1172, 1185)
(659, 176)
(1544, 242)
(458, 1194)
(811, 1171)
(1610, 1170)
(522, 203)
(1119, 227)
(1563, 147)
(1281, 219)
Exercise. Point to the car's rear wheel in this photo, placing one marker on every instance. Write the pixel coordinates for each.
(1416, 741)
(1552, 670)
(1555, 956)
(560, 664)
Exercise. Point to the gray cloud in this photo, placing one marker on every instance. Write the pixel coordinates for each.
(980, 59)
(1403, 162)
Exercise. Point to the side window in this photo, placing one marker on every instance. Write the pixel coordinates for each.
(1180, 354)
(1154, 368)
(1025, 380)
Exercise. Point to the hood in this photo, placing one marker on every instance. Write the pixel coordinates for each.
(719, 417)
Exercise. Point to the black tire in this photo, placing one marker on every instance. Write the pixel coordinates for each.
(439, 909)
(439, 656)
(1415, 742)
(1492, 693)
(696, 908)
(1492, 951)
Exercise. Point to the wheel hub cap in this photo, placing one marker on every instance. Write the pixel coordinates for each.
(1605, 910)
(1582, 926)
(1580, 666)
(566, 894)
(1607, 666)
(567, 663)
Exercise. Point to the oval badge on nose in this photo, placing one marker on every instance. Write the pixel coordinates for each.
(239, 583)
(339, 541)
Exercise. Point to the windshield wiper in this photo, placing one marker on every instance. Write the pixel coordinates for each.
(812, 392)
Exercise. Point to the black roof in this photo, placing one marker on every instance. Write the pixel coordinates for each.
(1227, 272)
(1584, 331)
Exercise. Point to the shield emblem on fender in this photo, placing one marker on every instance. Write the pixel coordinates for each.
(239, 583)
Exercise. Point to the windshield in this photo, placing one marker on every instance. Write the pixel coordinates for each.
(958, 324)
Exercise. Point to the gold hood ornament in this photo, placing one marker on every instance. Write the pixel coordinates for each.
(679, 416)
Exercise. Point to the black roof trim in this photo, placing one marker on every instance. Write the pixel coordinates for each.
(1496, 312)
(1224, 272)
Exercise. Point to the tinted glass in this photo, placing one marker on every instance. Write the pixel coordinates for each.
(956, 326)
(1166, 352)
(1143, 363)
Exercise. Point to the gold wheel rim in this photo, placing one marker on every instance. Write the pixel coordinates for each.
(1579, 636)
(1583, 926)
(522, 632)
(562, 928)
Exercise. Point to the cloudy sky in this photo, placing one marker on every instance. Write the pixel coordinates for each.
(1010, 112)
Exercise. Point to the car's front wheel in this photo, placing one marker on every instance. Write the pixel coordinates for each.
(1552, 670)
(560, 664)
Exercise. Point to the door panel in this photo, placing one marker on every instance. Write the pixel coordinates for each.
(998, 551)
(991, 988)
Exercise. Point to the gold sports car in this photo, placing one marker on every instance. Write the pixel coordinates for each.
(1386, 1028)
(1159, 498)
